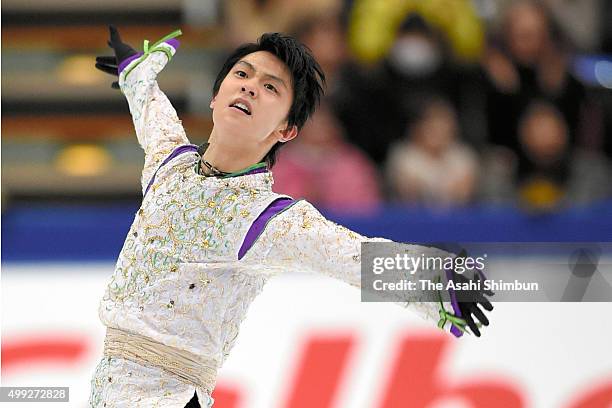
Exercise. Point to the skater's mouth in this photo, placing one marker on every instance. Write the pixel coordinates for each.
(242, 105)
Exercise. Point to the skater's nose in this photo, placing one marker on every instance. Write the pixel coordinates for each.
(249, 90)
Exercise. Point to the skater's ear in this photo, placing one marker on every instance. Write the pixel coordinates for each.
(288, 133)
(212, 102)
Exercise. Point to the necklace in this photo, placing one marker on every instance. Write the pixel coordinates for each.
(212, 170)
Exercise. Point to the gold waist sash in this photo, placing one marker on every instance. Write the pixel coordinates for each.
(182, 364)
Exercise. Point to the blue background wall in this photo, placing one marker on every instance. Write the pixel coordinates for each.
(77, 232)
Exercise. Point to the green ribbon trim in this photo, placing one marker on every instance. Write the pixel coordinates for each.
(241, 172)
(446, 316)
(236, 173)
(155, 47)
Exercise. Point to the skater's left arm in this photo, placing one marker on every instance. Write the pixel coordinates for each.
(301, 239)
(158, 128)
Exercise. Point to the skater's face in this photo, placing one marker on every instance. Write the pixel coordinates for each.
(251, 108)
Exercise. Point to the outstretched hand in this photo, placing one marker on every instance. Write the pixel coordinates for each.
(470, 300)
(110, 64)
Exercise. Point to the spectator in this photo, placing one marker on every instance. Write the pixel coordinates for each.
(246, 20)
(582, 21)
(320, 166)
(372, 25)
(325, 35)
(530, 63)
(376, 107)
(431, 166)
(548, 173)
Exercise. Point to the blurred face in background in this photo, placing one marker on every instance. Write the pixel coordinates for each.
(526, 32)
(322, 130)
(251, 108)
(326, 40)
(415, 54)
(543, 134)
(437, 130)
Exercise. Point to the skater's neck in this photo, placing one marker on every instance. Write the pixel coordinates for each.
(229, 159)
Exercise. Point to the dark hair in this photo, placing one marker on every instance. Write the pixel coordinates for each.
(427, 103)
(307, 77)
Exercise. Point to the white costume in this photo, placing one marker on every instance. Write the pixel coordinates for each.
(179, 291)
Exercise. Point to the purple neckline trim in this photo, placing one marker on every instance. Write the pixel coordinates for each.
(454, 329)
(258, 225)
(178, 151)
(256, 171)
(192, 148)
(172, 42)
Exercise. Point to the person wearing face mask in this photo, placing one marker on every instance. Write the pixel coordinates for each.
(378, 106)
(211, 232)
(415, 54)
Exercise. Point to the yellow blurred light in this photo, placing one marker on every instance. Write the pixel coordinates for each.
(541, 194)
(80, 70)
(83, 160)
(373, 26)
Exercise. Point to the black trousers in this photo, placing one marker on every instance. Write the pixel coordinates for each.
(193, 402)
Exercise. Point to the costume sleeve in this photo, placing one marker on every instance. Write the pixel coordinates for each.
(301, 239)
(158, 128)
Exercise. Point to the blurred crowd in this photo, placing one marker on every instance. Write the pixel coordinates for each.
(437, 104)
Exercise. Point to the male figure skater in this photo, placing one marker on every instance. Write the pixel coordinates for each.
(210, 231)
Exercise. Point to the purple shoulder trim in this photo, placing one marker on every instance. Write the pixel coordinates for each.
(259, 224)
(127, 61)
(454, 329)
(176, 152)
(172, 42)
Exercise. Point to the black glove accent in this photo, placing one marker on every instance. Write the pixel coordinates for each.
(110, 64)
(472, 299)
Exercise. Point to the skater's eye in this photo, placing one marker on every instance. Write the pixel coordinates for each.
(241, 74)
(271, 87)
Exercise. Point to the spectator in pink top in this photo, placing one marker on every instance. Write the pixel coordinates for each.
(323, 168)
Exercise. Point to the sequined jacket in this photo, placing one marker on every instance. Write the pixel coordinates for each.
(183, 277)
